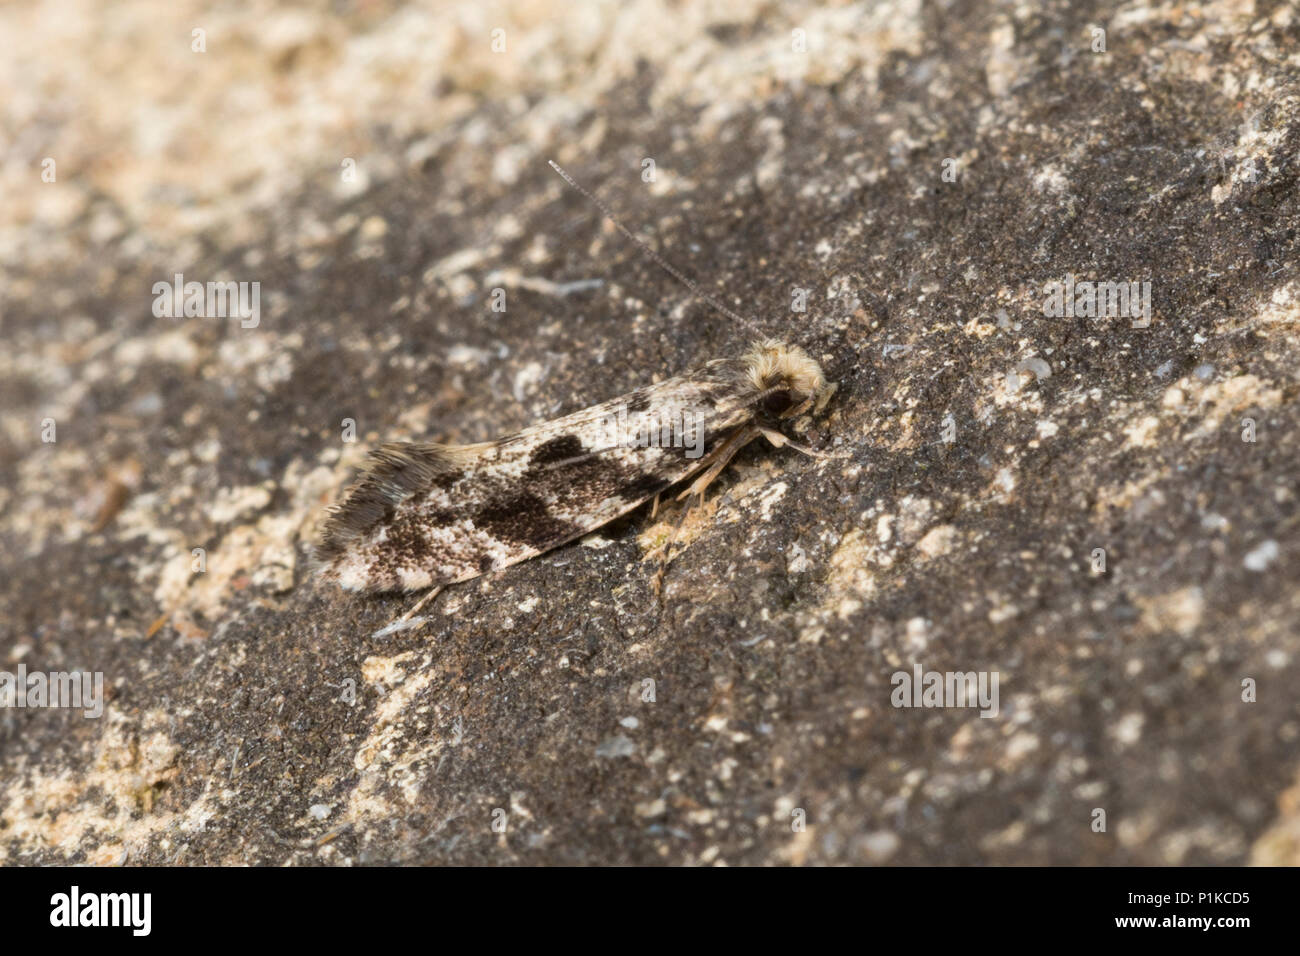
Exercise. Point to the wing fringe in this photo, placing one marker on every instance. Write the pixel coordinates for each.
(392, 473)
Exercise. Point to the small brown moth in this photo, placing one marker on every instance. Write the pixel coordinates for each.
(423, 515)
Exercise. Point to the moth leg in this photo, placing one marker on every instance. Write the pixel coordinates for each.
(719, 458)
(780, 441)
(404, 622)
(656, 582)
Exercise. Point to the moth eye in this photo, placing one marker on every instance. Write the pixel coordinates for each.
(777, 403)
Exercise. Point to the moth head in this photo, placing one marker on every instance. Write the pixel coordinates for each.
(787, 379)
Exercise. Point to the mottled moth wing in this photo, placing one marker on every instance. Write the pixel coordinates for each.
(427, 514)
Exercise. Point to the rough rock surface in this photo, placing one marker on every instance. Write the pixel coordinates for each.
(252, 717)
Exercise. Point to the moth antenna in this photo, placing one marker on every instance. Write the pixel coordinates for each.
(658, 259)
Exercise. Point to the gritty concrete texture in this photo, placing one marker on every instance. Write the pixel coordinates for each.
(379, 170)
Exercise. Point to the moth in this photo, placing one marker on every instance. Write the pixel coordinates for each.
(422, 514)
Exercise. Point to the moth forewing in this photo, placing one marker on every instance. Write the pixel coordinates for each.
(425, 514)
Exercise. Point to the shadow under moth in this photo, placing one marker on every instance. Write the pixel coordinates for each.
(423, 515)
